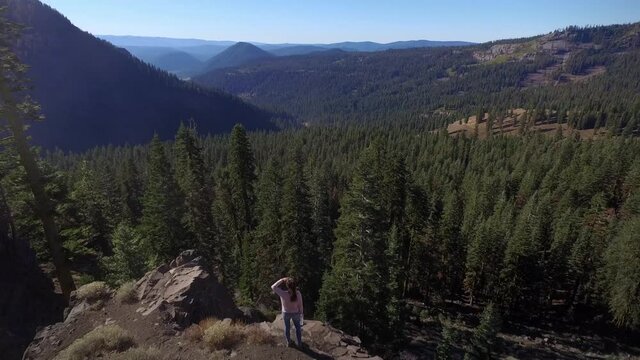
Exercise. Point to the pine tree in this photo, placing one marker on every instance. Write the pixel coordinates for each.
(395, 185)
(241, 169)
(130, 191)
(97, 202)
(421, 273)
(520, 271)
(268, 233)
(224, 215)
(354, 293)
(128, 261)
(298, 248)
(485, 253)
(242, 177)
(191, 178)
(453, 247)
(17, 109)
(621, 275)
(321, 205)
(162, 208)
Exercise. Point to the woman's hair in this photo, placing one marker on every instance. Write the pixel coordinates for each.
(292, 288)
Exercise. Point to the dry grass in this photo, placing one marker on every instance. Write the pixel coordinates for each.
(126, 293)
(138, 354)
(94, 291)
(96, 342)
(258, 336)
(194, 333)
(207, 323)
(223, 335)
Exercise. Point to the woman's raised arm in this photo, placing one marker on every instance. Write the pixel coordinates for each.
(275, 286)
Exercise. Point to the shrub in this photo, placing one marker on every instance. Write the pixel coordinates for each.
(127, 293)
(223, 335)
(484, 340)
(94, 291)
(99, 340)
(83, 279)
(129, 256)
(137, 354)
(424, 316)
(258, 336)
(449, 337)
(194, 333)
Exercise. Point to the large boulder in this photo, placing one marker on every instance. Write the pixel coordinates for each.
(185, 292)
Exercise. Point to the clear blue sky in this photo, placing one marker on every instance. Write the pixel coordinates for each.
(316, 21)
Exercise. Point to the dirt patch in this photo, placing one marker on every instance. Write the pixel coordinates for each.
(270, 352)
(542, 77)
(511, 127)
(588, 74)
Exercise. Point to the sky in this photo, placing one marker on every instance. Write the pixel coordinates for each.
(325, 21)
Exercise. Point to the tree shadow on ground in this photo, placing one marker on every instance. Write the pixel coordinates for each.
(313, 353)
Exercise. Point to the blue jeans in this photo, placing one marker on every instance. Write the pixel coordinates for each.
(287, 326)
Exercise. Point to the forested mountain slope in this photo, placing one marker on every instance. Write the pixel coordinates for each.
(93, 93)
(540, 226)
(589, 74)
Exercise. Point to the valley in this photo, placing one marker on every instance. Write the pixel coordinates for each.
(167, 197)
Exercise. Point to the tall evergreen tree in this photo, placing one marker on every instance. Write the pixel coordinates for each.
(485, 254)
(299, 248)
(268, 234)
(323, 224)
(191, 178)
(92, 209)
(621, 275)
(130, 191)
(242, 176)
(354, 293)
(452, 243)
(224, 215)
(241, 169)
(162, 208)
(521, 273)
(398, 243)
(17, 109)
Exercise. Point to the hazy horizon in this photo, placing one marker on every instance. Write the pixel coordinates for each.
(333, 21)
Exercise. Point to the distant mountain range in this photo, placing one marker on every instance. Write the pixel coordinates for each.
(590, 69)
(153, 50)
(93, 93)
(236, 55)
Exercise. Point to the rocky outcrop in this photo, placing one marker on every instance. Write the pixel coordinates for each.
(184, 292)
(27, 297)
(172, 297)
(325, 339)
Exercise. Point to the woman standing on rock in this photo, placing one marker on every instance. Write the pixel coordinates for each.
(292, 309)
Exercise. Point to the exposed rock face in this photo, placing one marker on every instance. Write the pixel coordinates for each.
(27, 298)
(185, 292)
(330, 341)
